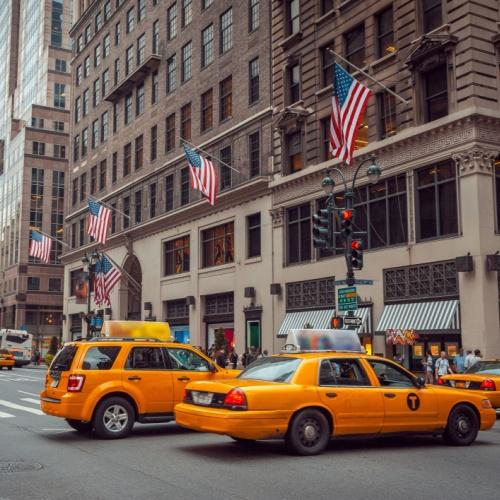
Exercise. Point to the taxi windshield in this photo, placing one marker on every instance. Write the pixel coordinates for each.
(492, 367)
(272, 369)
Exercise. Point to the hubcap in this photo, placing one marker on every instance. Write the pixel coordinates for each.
(463, 425)
(115, 418)
(309, 432)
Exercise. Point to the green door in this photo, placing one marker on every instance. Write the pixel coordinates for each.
(253, 334)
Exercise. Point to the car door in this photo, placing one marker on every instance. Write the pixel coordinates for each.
(147, 378)
(345, 388)
(186, 366)
(406, 406)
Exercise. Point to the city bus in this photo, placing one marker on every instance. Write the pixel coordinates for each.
(19, 343)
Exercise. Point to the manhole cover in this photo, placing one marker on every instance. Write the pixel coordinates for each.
(18, 466)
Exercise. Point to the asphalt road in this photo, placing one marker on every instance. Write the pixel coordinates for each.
(168, 462)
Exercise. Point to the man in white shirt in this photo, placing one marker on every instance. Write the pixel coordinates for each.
(468, 360)
(442, 366)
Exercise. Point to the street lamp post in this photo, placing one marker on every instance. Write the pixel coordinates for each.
(90, 262)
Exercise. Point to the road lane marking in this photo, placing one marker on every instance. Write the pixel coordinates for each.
(23, 376)
(15, 406)
(31, 400)
(5, 415)
(29, 393)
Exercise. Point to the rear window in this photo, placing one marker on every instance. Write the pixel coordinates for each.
(100, 358)
(272, 369)
(492, 367)
(64, 358)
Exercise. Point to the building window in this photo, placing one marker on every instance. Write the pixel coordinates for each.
(76, 148)
(74, 192)
(327, 64)
(97, 55)
(176, 256)
(130, 20)
(253, 235)
(117, 33)
(116, 112)
(38, 148)
(385, 32)
(156, 37)
(354, 41)
(106, 45)
(253, 81)
(436, 93)
(129, 59)
(117, 71)
(138, 206)
(325, 138)
(83, 186)
(326, 6)
(98, 22)
(154, 143)
(93, 179)
(169, 192)
(81, 231)
(437, 213)
(86, 67)
(104, 126)
(206, 110)
(187, 57)
(292, 16)
(85, 141)
(141, 49)
(139, 149)
(139, 100)
(96, 99)
(56, 24)
(186, 122)
(310, 294)
(184, 186)
(172, 22)
(114, 167)
(128, 109)
(205, 4)
(298, 234)
(58, 126)
(95, 134)
(254, 153)
(226, 99)
(218, 245)
(226, 31)
(154, 87)
(79, 44)
(187, 12)
(102, 175)
(33, 283)
(61, 66)
(207, 45)
(113, 218)
(126, 212)
(141, 9)
(497, 192)
(59, 151)
(295, 157)
(170, 133)
(253, 15)
(225, 170)
(105, 83)
(152, 200)
(107, 10)
(386, 114)
(432, 14)
(59, 95)
(85, 102)
(294, 83)
(127, 159)
(79, 75)
(171, 74)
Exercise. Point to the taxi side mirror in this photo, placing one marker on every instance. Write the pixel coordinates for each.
(420, 382)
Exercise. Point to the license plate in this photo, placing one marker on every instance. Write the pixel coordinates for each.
(55, 382)
(202, 398)
(460, 385)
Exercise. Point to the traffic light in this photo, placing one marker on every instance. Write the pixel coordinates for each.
(337, 323)
(346, 217)
(321, 229)
(357, 254)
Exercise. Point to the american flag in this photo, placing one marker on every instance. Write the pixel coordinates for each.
(106, 276)
(348, 104)
(98, 221)
(40, 246)
(202, 172)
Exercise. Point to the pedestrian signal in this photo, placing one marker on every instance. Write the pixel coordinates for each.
(337, 323)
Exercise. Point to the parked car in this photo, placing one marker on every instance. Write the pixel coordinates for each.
(6, 359)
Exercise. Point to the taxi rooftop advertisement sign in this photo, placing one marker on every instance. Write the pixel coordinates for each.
(322, 340)
(347, 298)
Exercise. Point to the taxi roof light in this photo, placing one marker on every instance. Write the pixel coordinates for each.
(317, 340)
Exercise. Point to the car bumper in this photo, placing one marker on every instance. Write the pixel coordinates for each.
(64, 407)
(238, 424)
(488, 419)
(7, 362)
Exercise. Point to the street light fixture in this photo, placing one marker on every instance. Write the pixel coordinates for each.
(328, 184)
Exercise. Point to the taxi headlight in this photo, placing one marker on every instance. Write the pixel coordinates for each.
(486, 403)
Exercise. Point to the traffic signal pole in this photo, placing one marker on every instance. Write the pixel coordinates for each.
(349, 205)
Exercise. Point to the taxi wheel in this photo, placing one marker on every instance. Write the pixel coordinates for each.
(309, 433)
(463, 426)
(114, 418)
(9, 368)
(79, 426)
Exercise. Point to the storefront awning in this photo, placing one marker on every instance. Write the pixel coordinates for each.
(420, 316)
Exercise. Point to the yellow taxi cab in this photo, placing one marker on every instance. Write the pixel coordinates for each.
(6, 359)
(107, 384)
(322, 385)
(482, 378)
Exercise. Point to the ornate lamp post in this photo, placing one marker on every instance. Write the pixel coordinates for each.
(89, 262)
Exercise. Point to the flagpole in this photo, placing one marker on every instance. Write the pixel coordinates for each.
(139, 287)
(211, 156)
(110, 207)
(48, 236)
(385, 87)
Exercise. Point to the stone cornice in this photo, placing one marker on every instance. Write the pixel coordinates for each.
(475, 161)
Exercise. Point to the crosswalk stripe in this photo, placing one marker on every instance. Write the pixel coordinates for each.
(15, 406)
(29, 393)
(5, 415)
(31, 400)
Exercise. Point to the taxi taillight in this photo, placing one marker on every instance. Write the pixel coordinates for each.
(236, 400)
(488, 385)
(75, 383)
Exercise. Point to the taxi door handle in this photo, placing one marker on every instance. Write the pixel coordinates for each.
(389, 395)
(184, 379)
(331, 394)
(134, 378)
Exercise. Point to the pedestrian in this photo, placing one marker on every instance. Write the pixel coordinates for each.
(459, 361)
(468, 359)
(233, 358)
(477, 357)
(265, 353)
(221, 359)
(428, 364)
(442, 366)
(244, 358)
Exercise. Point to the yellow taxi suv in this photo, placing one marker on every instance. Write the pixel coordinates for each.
(321, 386)
(482, 378)
(107, 384)
(6, 359)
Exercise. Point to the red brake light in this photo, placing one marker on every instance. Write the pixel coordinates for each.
(236, 400)
(440, 381)
(75, 383)
(488, 385)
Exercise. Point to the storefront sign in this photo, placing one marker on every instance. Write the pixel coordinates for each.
(401, 337)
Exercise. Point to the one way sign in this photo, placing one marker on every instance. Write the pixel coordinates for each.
(352, 321)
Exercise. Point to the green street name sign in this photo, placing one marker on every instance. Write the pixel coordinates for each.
(347, 299)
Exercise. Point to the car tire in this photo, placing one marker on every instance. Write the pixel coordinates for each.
(308, 433)
(113, 418)
(9, 368)
(462, 427)
(79, 425)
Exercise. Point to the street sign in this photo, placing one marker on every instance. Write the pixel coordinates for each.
(356, 282)
(352, 321)
(347, 299)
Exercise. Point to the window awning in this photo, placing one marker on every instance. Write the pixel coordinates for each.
(420, 316)
(320, 318)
